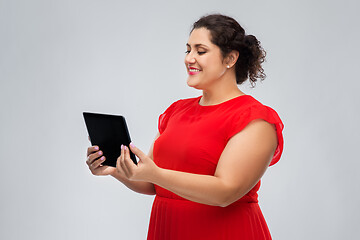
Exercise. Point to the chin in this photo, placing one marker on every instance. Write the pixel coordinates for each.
(193, 84)
(196, 87)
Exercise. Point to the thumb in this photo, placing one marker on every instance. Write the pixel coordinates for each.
(137, 151)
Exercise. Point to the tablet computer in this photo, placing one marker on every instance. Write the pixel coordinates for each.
(108, 132)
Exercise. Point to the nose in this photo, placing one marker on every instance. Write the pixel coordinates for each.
(189, 58)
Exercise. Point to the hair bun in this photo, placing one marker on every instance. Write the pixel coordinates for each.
(250, 40)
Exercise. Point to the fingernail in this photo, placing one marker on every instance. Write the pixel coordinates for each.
(122, 146)
(96, 148)
(125, 147)
(132, 145)
(102, 158)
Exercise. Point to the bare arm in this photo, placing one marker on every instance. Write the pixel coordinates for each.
(136, 186)
(242, 163)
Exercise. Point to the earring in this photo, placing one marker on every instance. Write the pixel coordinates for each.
(228, 66)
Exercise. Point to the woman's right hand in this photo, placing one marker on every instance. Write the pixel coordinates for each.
(95, 159)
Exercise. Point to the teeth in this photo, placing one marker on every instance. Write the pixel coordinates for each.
(194, 70)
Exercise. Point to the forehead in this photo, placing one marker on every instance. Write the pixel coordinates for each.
(200, 36)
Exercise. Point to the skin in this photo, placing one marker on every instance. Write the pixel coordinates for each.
(242, 163)
(95, 159)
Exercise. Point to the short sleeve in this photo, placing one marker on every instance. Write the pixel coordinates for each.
(165, 116)
(260, 112)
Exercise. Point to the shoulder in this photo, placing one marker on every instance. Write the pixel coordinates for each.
(241, 107)
(249, 101)
(249, 106)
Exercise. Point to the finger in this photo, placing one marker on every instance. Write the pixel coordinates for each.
(97, 163)
(119, 168)
(118, 163)
(122, 155)
(119, 159)
(92, 149)
(92, 157)
(128, 162)
(122, 167)
(137, 151)
(127, 154)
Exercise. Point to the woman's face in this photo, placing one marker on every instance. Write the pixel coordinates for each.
(203, 60)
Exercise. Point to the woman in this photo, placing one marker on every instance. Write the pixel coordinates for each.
(206, 161)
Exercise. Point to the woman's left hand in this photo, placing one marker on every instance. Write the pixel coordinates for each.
(143, 171)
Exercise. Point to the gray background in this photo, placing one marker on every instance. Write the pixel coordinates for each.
(59, 58)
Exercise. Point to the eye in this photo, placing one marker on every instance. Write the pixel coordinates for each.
(187, 51)
(201, 52)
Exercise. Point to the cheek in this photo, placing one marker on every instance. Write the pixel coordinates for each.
(216, 69)
(215, 64)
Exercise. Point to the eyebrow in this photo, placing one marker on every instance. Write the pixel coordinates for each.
(197, 45)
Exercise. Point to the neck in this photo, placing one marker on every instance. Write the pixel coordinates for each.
(220, 93)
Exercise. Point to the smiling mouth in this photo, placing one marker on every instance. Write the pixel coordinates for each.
(193, 70)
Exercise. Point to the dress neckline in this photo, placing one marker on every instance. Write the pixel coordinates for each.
(219, 104)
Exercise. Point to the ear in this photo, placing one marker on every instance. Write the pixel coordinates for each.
(231, 58)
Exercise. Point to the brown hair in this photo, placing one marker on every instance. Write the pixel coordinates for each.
(228, 35)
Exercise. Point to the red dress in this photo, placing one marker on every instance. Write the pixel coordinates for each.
(192, 138)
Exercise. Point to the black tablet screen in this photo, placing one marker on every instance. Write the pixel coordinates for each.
(108, 132)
